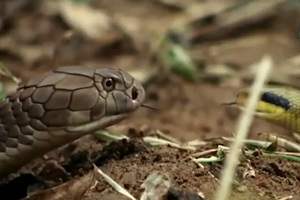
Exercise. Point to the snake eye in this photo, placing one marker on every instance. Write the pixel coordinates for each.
(108, 84)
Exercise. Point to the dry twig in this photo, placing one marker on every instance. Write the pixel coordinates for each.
(242, 129)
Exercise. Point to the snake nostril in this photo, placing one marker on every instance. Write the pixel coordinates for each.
(134, 93)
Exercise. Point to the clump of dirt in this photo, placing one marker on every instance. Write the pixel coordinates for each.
(275, 174)
(130, 162)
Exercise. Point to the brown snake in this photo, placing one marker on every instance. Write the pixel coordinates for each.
(61, 106)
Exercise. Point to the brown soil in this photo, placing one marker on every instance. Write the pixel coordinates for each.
(187, 111)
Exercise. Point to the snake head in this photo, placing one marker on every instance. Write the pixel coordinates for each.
(272, 102)
(277, 104)
(60, 106)
(78, 99)
(119, 95)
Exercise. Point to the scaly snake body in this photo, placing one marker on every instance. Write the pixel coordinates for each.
(278, 105)
(61, 106)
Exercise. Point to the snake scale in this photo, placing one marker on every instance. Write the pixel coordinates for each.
(60, 106)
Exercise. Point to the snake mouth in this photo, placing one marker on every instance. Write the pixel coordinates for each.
(93, 126)
(256, 112)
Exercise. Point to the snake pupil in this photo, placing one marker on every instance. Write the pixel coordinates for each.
(109, 83)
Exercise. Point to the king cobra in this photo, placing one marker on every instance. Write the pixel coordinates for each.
(60, 106)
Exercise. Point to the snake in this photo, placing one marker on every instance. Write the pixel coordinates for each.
(60, 106)
(278, 105)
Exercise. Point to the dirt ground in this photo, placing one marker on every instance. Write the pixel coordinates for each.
(187, 111)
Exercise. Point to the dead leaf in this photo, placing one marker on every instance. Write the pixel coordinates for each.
(224, 24)
(156, 186)
(28, 53)
(95, 24)
(71, 190)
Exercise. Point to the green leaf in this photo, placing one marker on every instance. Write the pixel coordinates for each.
(2, 95)
(181, 63)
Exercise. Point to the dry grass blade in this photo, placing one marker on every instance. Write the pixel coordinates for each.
(196, 143)
(291, 156)
(242, 129)
(288, 145)
(203, 153)
(114, 184)
(249, 142)
(5, 72)
(286, 198)
(159, 142)
(286, 72)
(165, 136)
(71, 190)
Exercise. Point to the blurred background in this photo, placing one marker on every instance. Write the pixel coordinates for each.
(191, 55)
